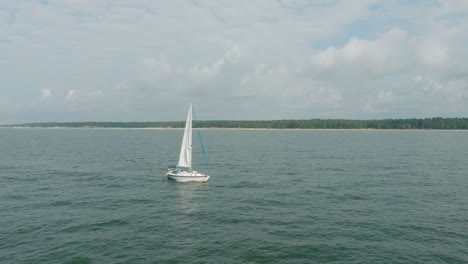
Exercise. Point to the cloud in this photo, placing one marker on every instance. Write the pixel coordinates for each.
(156, 66)
(46, 93)
(385, 96)
(433, 53)
(71, 94)
(326, 96)
(389, 52)
(453, 92)
(84, 96)
(242, 59)
(95, 94)
(208, 71)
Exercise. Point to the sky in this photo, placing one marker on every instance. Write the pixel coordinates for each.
(139, 60)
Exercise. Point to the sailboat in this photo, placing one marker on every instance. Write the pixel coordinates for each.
(183, 172)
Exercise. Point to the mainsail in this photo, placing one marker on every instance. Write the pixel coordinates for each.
(185, 158)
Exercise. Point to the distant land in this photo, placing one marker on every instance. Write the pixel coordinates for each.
(426, 123)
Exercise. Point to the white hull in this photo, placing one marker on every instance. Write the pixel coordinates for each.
(188, 177)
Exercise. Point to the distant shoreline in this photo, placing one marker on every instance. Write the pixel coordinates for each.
(233, 129)
(435, 123)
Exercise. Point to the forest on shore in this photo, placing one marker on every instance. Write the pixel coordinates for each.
(426, 123)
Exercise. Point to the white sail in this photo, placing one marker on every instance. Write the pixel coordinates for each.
(185, 158)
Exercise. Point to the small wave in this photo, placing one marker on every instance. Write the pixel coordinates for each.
(96, 226)
(247, 184)
(114, 222)
(79, 260)
(60, 203)
(15, 197)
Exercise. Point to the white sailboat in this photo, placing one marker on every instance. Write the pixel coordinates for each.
(183, 171)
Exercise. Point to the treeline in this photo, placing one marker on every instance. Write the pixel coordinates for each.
(426, 123)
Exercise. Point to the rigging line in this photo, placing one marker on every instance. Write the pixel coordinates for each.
(201, 141)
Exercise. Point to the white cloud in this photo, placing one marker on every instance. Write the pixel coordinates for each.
(417, 78)
(233, 54)
(456, 92)
(450, 92)
(208, 71)
(84, 96)
(269, 72)
(157, 67)
(325, 96)
(388, 52)
(433, 53)
(385, 96)
(120, 86)
(71, 94)
(95, 94)
(46, 93)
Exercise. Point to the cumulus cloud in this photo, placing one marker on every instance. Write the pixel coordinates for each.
(230, 57)
(389, 52)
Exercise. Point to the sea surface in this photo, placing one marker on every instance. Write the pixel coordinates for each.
(275, 196)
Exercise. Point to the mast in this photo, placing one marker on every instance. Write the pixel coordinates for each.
(190, 139)
(205, 158)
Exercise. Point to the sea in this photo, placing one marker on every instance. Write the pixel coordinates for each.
(275, 196)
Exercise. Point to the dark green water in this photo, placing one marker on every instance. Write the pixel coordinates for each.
(100, 196)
